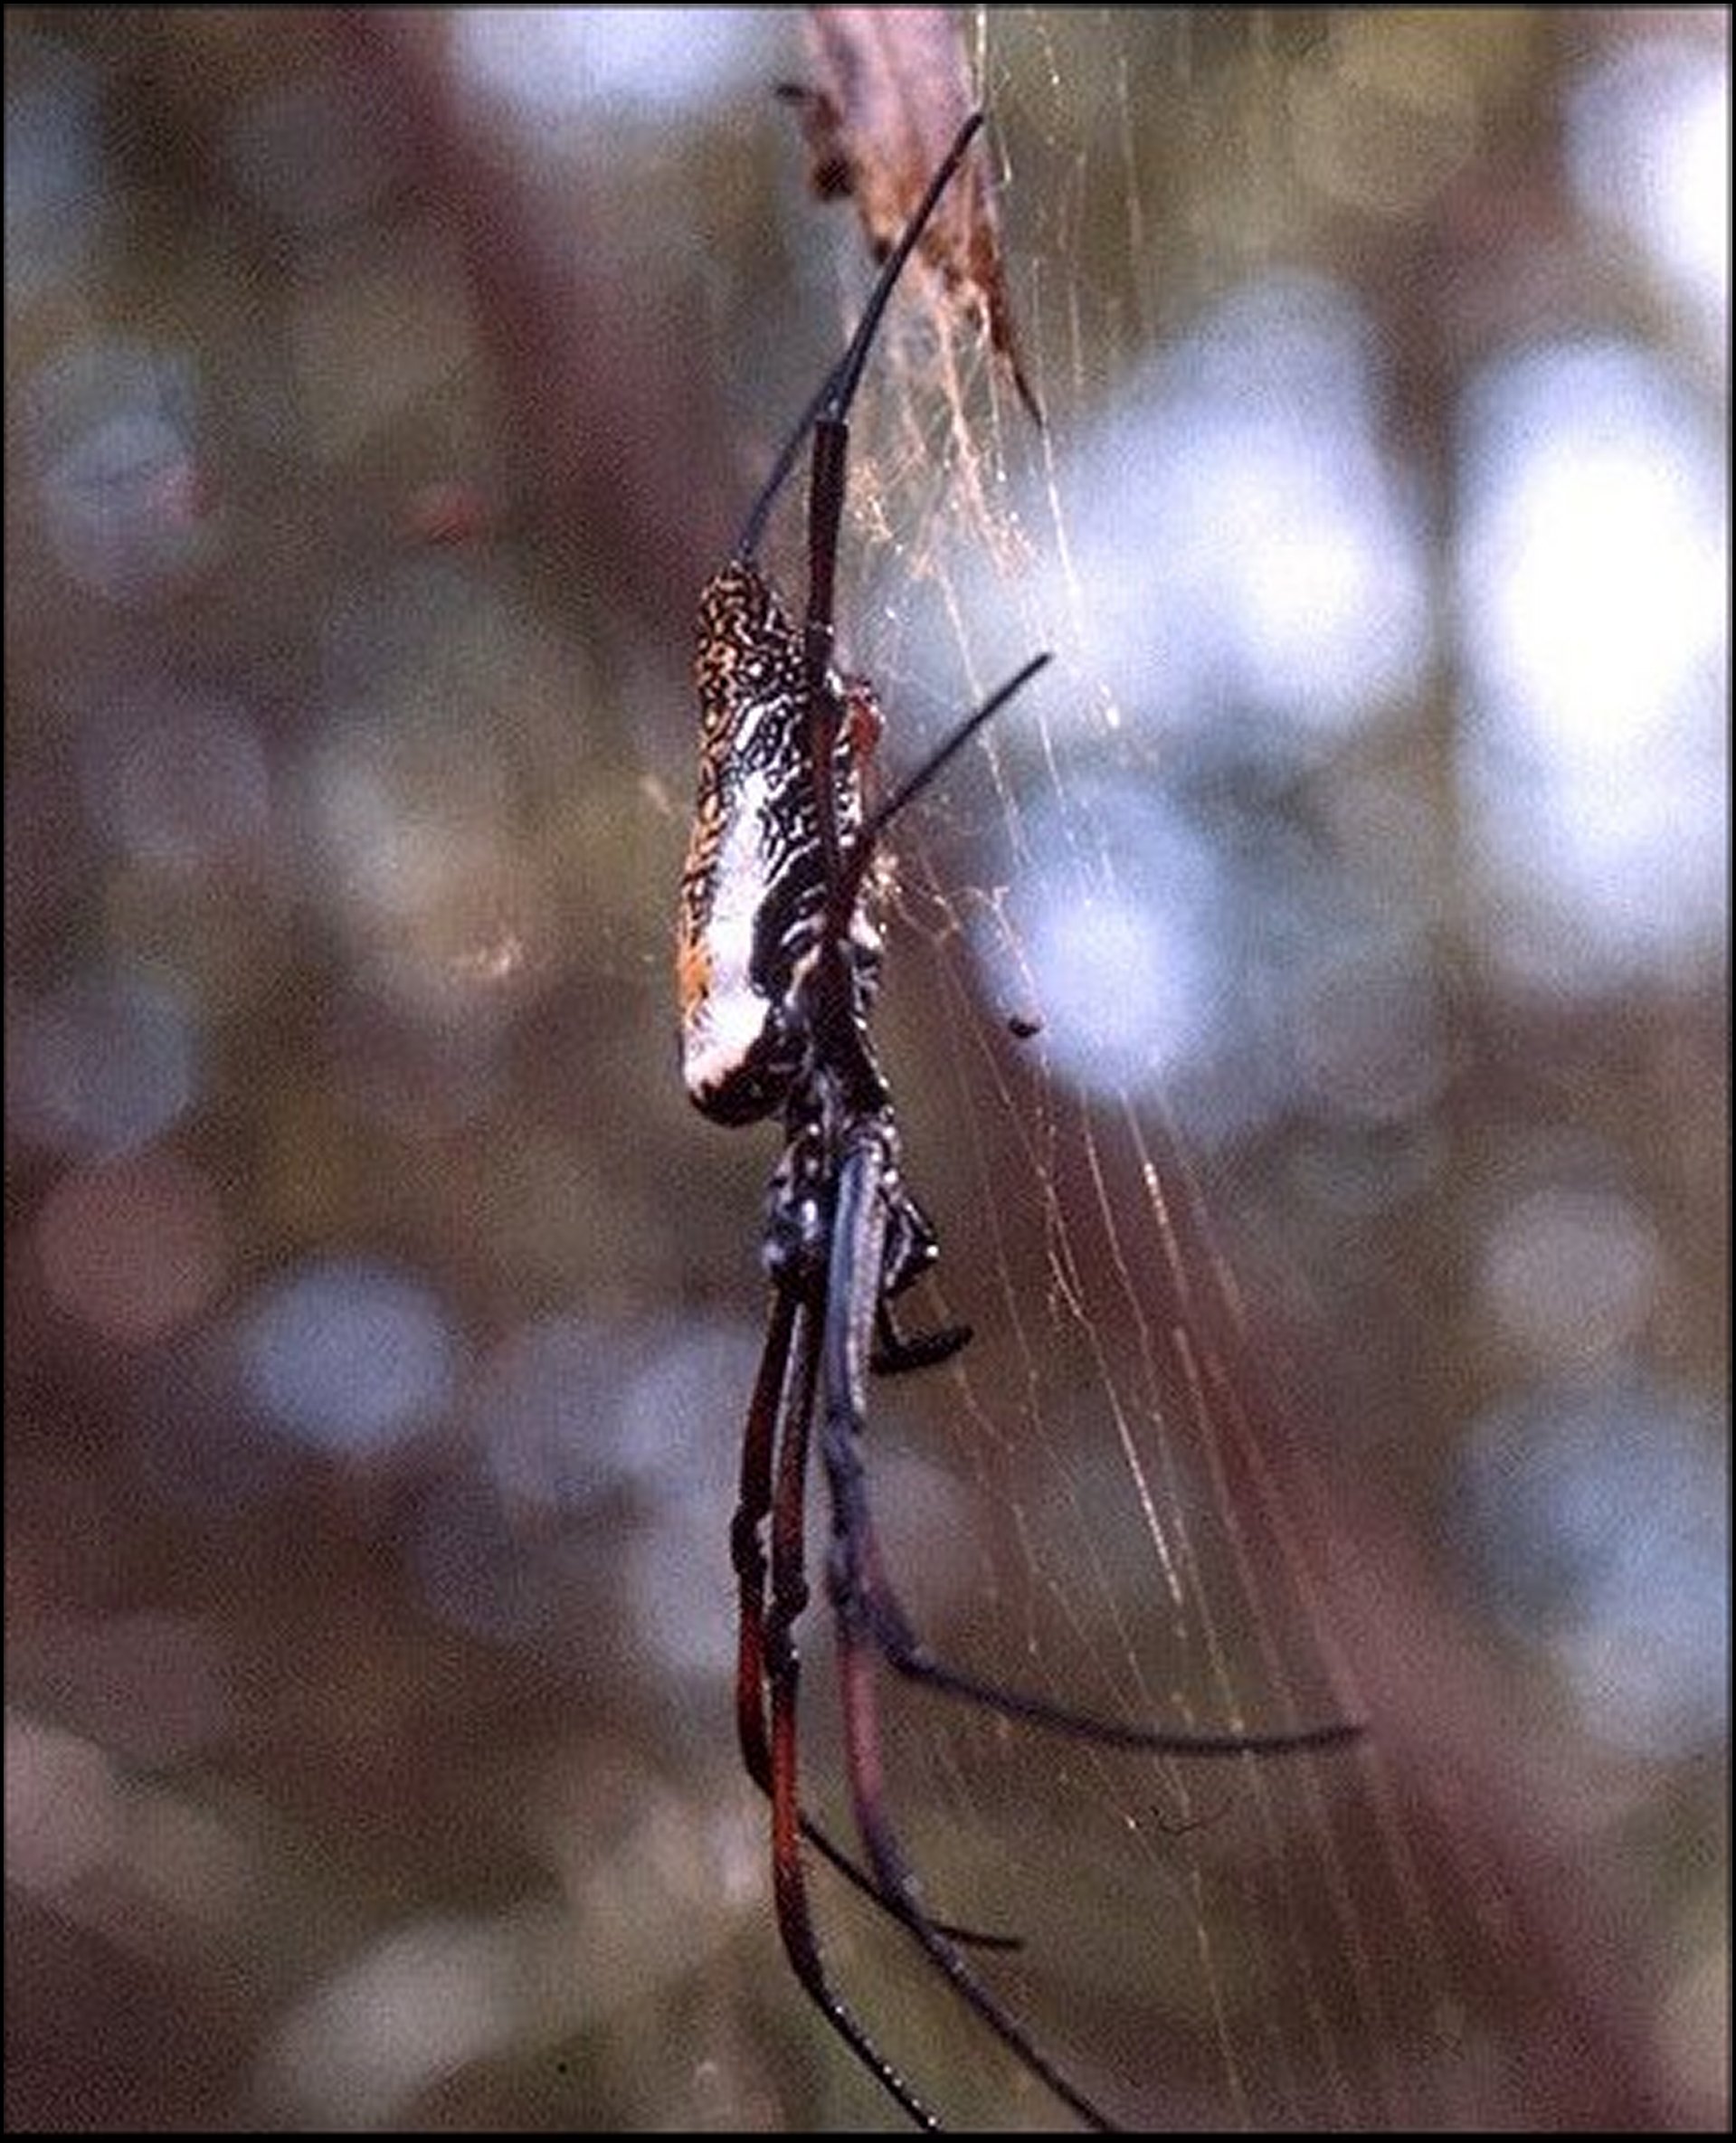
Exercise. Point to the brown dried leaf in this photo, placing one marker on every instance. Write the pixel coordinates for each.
(891, 88)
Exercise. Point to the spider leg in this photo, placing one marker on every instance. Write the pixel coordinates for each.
(906, 1652)
(873, 1600)
(747, 1558)
(783, 1676)
(894, 1352)
(858, 1237)
(838, 389)
(746, 1553)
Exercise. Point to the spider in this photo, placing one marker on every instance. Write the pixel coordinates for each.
(779, 959)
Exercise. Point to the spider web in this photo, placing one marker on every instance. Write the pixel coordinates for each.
(1305, 1008)
(1110, 1500)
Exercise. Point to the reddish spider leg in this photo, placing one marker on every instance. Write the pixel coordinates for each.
(782, 1669)
(747, 1558)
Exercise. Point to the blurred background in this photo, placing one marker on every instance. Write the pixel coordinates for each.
(1308, 1010)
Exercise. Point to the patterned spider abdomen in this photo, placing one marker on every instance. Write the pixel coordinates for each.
(754, 888)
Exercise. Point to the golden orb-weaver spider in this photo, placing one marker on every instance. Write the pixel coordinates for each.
(778, 957)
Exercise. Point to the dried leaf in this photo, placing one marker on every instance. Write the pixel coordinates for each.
(891, 88)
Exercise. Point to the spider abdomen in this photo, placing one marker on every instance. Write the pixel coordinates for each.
(754, 888)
